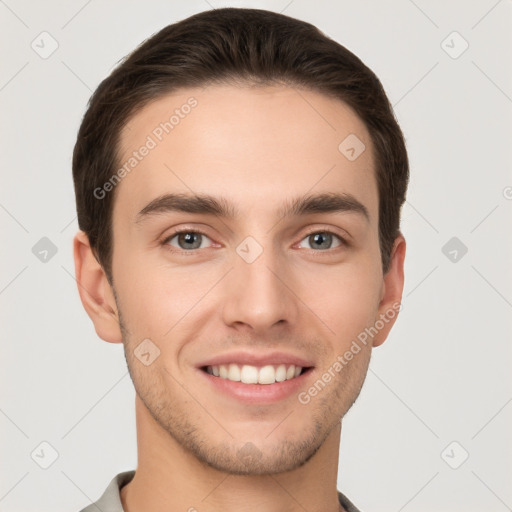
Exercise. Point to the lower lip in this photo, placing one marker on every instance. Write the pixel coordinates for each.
(258, 393)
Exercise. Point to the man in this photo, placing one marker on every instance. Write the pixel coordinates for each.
(239, 180)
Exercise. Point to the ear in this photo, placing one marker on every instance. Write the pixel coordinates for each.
(95, 291)
(391, 295)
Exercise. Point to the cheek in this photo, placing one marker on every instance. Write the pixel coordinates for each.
(157, 300)
(349, 300)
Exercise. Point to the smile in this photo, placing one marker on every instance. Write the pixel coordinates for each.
(248, 374)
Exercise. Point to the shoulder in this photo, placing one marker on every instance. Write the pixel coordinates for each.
(346, 503)
(110, 500)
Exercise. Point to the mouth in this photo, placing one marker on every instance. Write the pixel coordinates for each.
(249, 374)
(256, 378)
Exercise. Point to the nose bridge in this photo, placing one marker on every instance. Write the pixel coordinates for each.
(257, 295)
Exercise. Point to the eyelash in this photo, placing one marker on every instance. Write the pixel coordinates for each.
(165, 242)
(328, 232)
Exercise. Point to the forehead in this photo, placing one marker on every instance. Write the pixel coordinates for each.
(255, 146)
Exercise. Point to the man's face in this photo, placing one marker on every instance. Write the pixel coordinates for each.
(258, 288)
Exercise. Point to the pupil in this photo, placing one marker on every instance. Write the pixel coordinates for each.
(191, 239)
(321, 239)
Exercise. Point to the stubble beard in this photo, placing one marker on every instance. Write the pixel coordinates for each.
(239, 456)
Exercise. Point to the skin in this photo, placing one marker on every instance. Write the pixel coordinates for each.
(257, 147)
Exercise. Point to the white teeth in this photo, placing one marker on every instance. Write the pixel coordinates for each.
(253, 375)
(267, 375)
(234, 373)
(281, 373)
(249, 374)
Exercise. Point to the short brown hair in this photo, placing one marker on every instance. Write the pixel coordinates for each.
(233, 45)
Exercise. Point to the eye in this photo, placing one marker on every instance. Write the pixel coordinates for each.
(187, 240)
(323, 240)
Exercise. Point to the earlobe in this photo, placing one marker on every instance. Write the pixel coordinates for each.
(392, 289)
(95, 291)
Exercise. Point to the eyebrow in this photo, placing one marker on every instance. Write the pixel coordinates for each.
(218, 206)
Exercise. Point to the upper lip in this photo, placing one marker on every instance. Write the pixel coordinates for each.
(254, 359)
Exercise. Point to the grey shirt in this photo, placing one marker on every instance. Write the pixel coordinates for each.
(110, 500)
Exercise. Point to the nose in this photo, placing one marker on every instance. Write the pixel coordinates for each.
(259, 295)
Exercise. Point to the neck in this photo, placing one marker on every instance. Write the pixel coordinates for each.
(169, 478)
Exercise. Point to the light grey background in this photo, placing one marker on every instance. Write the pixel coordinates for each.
(444, 373)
